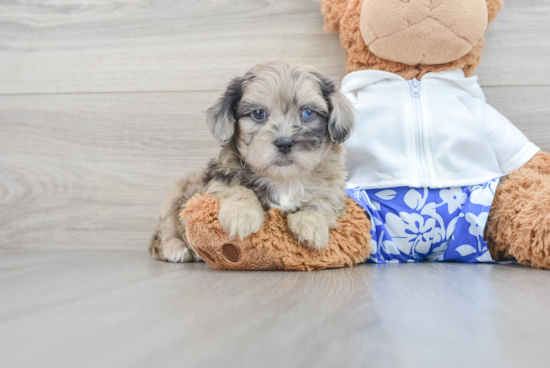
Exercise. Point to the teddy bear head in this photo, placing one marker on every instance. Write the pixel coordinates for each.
(411, 37)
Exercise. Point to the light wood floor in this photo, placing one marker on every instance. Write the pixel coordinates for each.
(102, 108)
(69, 308)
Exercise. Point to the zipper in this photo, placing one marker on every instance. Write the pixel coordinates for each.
(419, 133)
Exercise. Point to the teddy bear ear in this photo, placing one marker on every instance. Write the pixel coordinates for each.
(494, 6)
(334, 12)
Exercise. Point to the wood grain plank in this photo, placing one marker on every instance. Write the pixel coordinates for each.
(165, 45)
(155, 45)
(62, 277)
(527, 108)
(517, 48)
(416, 315)
(89, 171)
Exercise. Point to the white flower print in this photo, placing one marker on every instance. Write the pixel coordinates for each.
(465, 250)
(386, 195)
(477, 223)
(376, 205)
(451, 228)
(454, 197)
(439, 230)
(484, 194)
(373, 205)
(376, 221)
(412, 224)
(411, 233)
(415, 200)
(374, 245)
(438, 253)
(388, 246)
(486, 257)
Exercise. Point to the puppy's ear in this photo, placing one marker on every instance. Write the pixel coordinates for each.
(341, 116)
(221, 117)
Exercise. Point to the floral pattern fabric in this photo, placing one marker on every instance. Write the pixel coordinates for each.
(417, 224)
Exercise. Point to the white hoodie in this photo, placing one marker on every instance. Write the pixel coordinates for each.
(438, 132)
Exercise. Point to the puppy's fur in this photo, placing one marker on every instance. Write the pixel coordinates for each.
(273, 155)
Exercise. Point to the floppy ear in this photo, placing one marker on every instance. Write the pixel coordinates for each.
(221, 117)
(342, 118)
(341, 115)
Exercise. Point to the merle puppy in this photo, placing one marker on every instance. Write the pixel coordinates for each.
(281, 127)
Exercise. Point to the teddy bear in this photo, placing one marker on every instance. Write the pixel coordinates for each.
(435, 46)
(439, 173)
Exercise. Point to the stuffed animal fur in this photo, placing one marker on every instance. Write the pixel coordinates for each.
(519, 222)
(344, 17)
(274, 247)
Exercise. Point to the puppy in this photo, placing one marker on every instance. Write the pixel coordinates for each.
(281, 127)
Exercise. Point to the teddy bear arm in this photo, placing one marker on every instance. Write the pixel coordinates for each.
(519, 222)
(540, 163)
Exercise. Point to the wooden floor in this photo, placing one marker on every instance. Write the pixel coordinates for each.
(68, 308)
(102, 108)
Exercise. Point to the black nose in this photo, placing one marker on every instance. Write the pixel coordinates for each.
(284, 145)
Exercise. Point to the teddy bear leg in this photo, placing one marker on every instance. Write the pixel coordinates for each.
(519, 222)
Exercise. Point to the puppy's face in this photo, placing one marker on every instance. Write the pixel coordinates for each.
(282, 117)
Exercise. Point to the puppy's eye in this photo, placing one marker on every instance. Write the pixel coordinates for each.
(259, 114)
(308, 114)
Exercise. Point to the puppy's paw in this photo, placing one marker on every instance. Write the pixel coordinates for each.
(309, 228)
(241, 217)
(175, 250)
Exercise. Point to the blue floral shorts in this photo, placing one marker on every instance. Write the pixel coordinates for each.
(417, 224)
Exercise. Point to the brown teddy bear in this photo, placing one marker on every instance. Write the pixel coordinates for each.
(442, 174)
(413, 38)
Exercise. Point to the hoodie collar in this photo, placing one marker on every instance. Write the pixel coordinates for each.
(357, 80)
(362, 78)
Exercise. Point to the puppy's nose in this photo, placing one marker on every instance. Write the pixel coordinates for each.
(284, 145)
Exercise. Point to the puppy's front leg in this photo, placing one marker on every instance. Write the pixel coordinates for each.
(311, 227)
(241, 213)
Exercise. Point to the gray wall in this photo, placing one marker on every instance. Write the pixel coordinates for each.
(102, 105)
